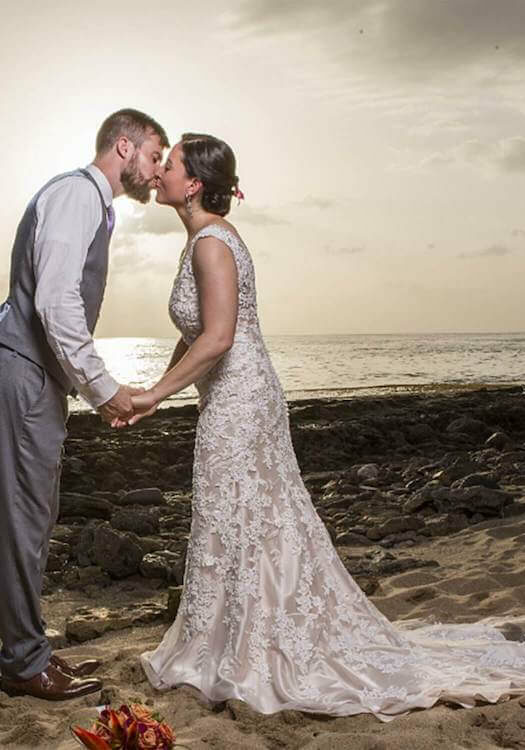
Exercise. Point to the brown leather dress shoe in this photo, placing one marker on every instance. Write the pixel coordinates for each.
(81, 669)
(51, 685)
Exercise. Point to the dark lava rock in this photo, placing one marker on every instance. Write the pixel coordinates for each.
(317, 480)
(468, 426)
(459, 466)
(420, 433)
(484, 500)
(350, 538)
(56, 638)
(67, 534)
(333, 501)
(116, 552)
(76, 505)
(148, 543)
(368, 473)
(513, 457)
(447, 523)
(74, 464)
(415, 484)
(92, 623)
(486, 456)
(516, 508)
(471, 500)
(368, 584)
(381, 562)
(145, 496)
(395, 525)
(79, 578)
(58, 556)
(160, 564)
(84, 550)
(481, 479)
(138, 520)
(498, 440)
(418, 501)
(114, 481)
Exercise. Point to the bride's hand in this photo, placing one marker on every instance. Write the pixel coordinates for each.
(143, 402)
(144, 405)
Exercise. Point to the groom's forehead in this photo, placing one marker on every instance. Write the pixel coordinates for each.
(153, 142)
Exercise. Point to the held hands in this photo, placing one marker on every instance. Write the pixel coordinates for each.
(143, 404)
(120, 406)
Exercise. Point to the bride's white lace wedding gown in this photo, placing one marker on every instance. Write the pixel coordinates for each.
(268, 612)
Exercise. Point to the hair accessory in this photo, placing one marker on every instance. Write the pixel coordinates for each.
(239, 195)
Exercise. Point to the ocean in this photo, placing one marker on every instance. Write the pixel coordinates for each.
(345, 365)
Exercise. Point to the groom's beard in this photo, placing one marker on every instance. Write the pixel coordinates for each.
(134, 183)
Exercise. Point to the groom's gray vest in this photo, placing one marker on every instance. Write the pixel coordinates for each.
(20, 326)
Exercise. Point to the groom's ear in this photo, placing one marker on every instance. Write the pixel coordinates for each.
(124, 147)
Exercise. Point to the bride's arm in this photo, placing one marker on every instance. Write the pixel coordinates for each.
(216, 277)
(178, 353)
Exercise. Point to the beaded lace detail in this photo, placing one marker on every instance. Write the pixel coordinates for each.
(268, 613)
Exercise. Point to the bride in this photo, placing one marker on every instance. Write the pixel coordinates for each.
(268, 613)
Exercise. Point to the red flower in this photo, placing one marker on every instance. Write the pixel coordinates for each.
(90, 740)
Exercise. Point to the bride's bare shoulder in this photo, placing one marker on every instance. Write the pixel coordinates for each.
(229, 227)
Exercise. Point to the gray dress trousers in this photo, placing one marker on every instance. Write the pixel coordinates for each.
(33, 413)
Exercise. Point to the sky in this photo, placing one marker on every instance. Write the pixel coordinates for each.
(380, 146)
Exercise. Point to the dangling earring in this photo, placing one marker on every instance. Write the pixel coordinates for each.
(189, 209)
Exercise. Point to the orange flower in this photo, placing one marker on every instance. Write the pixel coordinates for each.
(142, 714)
(147, 740)
(166, 733)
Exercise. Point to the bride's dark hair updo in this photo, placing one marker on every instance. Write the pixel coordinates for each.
(211, 161)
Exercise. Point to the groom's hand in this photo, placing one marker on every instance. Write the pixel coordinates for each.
(120, 406)
(144, 405)
(133, 391)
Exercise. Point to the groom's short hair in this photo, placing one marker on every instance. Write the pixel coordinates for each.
(133, 124)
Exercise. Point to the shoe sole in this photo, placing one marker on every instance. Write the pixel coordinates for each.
(14, 692)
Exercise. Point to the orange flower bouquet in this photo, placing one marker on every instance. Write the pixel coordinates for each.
(132, 727)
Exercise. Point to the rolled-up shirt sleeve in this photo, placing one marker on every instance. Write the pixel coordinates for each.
(68, 216)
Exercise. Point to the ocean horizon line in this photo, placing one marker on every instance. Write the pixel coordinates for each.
(336, 335)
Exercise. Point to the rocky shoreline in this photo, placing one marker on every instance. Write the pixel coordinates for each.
(386, 474)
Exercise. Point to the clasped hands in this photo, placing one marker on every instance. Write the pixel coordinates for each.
(128, 406)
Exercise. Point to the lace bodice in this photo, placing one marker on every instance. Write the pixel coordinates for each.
(184, 301)
(245, 372)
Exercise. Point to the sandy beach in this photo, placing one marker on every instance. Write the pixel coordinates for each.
(423, 495)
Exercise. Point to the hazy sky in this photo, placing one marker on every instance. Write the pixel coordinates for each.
(380, 146)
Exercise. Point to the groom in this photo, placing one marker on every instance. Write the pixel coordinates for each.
(58, 274)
